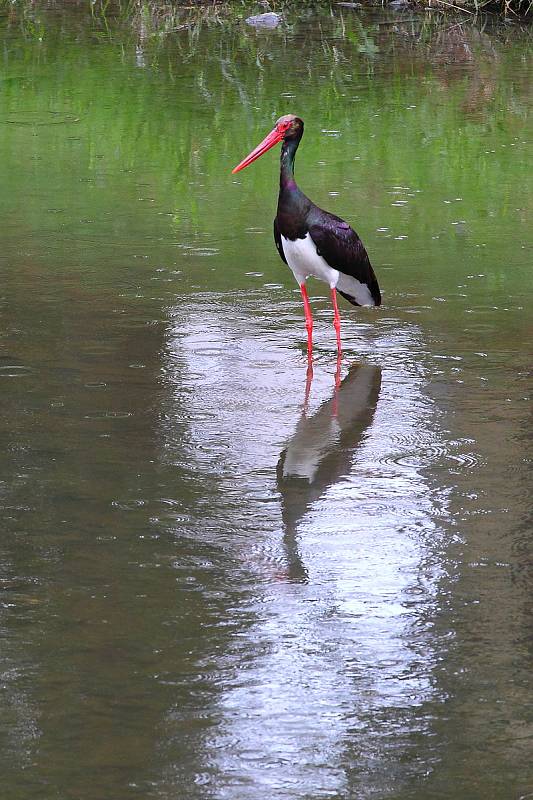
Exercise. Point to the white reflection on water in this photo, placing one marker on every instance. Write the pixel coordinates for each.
(323, 684)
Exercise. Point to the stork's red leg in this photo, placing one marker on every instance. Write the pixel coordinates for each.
(336, 319)
(308, 381)
(338, 372)
(335, 408)
(308, 319)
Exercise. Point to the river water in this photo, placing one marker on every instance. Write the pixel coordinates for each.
(220, 580)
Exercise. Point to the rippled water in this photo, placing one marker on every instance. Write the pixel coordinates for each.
(222, 576)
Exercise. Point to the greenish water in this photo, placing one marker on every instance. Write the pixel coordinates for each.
(181, 615)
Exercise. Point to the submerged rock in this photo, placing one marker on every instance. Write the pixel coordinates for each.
(268, 20)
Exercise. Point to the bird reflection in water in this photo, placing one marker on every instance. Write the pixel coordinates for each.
(321, 450)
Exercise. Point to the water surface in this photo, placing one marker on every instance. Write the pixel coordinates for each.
(220, 579)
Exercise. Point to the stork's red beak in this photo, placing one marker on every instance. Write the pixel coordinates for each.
(273, 138)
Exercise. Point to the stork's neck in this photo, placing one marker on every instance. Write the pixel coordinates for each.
(286, 177)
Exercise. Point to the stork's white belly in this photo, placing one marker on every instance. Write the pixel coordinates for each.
(305, 262)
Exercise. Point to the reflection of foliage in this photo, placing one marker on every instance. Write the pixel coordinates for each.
(25, 13)
(161, 18)
(415, 110)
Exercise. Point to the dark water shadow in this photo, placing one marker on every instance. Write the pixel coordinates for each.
(321, 451)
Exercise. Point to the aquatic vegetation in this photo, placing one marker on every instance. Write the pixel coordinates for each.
(162, 17)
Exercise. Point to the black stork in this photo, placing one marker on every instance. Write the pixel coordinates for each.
(313, 242)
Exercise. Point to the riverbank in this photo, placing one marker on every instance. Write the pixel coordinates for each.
(173, 15)
(516, 8)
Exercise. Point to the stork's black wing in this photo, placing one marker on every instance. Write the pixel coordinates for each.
(343, 250)
(277, 239)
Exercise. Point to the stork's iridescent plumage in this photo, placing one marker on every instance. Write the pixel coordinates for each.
(313, 242)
